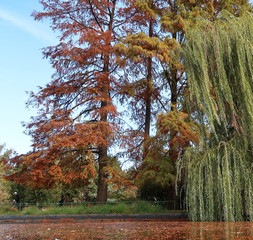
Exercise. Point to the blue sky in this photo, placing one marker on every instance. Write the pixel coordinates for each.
(22, 68)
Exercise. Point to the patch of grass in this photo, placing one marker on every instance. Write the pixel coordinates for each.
(29, 211)
(148, 208)
(110, 208)
(8, 210)
(52, 210)
(107, 209)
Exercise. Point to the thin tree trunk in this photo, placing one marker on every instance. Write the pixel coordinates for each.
(148, 97)
(102, 184)
(173, 101)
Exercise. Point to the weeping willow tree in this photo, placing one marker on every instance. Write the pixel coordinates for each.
(218, 173)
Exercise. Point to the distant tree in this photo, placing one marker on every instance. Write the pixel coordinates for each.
(121, 185)
(31, 195)
(159, 165)
(5, 195)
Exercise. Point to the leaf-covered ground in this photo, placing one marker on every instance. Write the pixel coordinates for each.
(127, 230)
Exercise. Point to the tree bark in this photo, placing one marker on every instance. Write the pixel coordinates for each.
(102, 176)
(148, 97)
(103, 149)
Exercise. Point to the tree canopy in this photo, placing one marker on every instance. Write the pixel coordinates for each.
(178, 72)
(219, 64)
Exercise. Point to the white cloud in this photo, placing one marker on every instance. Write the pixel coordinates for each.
(34, 28)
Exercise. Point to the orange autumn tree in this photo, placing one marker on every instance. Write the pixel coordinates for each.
(76, 119)
(154, 78)
(140, 54)
(155, 82)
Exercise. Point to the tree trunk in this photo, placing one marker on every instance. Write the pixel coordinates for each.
(102, 184)
(102, 152)
(148, 100)
(148, 97)
(173, 101)
(102, 149)
(102, 156)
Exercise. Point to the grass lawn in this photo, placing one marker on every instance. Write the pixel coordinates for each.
(118, 208)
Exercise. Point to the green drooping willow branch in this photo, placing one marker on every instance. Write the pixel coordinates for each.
(219, 65)
(219, 182)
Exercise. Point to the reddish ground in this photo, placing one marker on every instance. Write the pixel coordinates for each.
(127, 230)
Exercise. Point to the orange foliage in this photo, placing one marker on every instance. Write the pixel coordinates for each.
(118, 178)
(75, 121)
(181, 132)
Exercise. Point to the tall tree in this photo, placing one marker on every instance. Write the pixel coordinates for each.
(76, 123)
(219, 65)
(141, 51)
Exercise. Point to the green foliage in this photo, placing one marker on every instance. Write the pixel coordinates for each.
(84, 192)
(160, 170)
(175, 133)
(219, 65)
(4, 184)
(219, 182)
(157, 167)
(8, 210)
(140, 46)
(31, 195)
(124, 193)
(151, 190)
